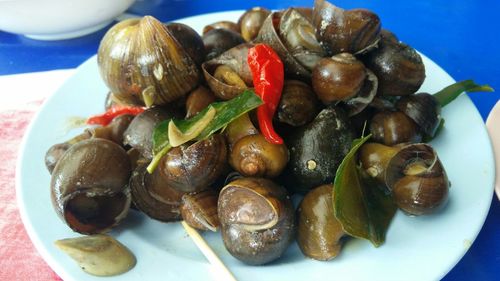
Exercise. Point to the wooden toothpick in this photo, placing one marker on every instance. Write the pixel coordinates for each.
(219, 266)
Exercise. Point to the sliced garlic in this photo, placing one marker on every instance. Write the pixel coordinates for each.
(99, 255)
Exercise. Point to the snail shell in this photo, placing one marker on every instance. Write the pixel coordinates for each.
(199, 210)
(153, 196)
(257, 220)
(417, 179)
(191, 168)
(140, 60)
(89, 186)
(235, 62)
(338, 30)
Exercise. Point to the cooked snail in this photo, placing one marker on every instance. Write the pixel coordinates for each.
(338, 78)
(89, 186)
(393, 127)
(338, 30)
(153, 196)
(198, 100)
(191, 168)
(398, 67)
(257, 220)
(318, 231)
(423, 109)
(228, 75)
(219, 40)
(253, 156)
(140, 131)
(417, 179)
(199, 210)
(269, 34)
(251, 22)
(229, 25)
(298, 35)
(298, 105)
(141, 61)
(190, 41)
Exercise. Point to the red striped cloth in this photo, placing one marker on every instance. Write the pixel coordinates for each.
(19, 258)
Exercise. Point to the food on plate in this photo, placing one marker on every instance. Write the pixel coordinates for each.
(417, 179)
(89, 185)
(257, 219)
(319, 233)
(98, 254)
(220, 131)
(199, 210)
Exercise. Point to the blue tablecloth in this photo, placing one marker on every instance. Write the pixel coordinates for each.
(462, 36)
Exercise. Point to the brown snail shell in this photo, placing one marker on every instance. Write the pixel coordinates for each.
(254, 156)
(338, 30)
(89, 186)
(251, 22)
(140, 131)
(394, 127)
(269, 34)
(424, 109)
(299, 37)
(153, 196)
(198, 100)
(189, 39)
(375, 157)
(229, 25)
(318, 231)
(140, 60)
(199, 210)
(56, 151)
(338, 78)
(417, 179)
(235, 61)
(219, 40)
(298, 104)
(192, 168)
(113, 132)
(364, 97)
(398, 67)
(257, 220)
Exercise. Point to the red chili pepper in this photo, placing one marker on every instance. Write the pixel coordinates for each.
(115, 111)
(268, 78)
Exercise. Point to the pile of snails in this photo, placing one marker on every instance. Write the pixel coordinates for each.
(344, 75)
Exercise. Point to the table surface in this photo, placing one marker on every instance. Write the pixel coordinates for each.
(460, 35)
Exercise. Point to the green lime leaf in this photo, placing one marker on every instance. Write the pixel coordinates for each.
(450, 93)
(160, 136)
(363, 208)
(197, 127)
(228, 111)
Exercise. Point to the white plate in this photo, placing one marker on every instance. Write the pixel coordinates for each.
(417, 248)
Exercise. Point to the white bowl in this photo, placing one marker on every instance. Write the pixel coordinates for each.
(58, 19)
